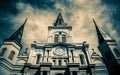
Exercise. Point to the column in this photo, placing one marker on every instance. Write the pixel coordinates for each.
(62, 62)
(31, 56)
(93, 71)
(71, 73)
(41, 73)
(41, 57)
(48, 73)
(26, 71)
(49, 57)
(70, 57)
(45, 56)
(60, 38)
(56, 62)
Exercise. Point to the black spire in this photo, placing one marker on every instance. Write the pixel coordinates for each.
(17, 36)
(59, 21)
(100, 37)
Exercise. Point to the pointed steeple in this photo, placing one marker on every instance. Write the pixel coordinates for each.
(102, 36)
(17, 36)
(59, 21)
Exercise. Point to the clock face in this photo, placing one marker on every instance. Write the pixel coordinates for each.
(59, 51)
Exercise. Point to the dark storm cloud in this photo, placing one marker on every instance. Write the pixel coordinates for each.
(9, 10)
(114, 11)
(42, 4)
(113, 7)
(7, 7)
(5, 29)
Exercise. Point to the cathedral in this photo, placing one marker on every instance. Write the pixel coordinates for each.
(59, 55)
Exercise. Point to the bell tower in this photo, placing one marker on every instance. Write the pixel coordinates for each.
(9, 51)
(109, 51)
(59, 32)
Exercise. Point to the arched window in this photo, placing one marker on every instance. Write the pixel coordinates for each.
(12, 53)
(116, 52)
(63, 38)
(59, 62)
(48, 55)
(3, 51)
(38, 59)
(82, 59)
(72, 55)
(56, 38)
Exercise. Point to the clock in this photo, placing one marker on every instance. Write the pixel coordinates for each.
(59, 51)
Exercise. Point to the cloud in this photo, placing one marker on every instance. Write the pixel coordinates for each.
(113, 8)
(42, 13)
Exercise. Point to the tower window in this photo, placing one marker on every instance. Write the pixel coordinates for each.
(72, 56)
(63, 38)
(117, 52)
(56, 38)
(59, 62)
(38, 59)
(12, 53)
(82, 59)
(3, 51)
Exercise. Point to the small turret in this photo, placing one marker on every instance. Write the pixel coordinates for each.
(17, 36)
(10, 49)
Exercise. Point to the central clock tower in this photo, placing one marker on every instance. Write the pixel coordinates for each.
(60, 55)
(59, 32)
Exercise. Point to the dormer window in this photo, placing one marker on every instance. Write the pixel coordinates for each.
(56, 38)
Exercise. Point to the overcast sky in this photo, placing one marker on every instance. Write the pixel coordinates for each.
(76, 13)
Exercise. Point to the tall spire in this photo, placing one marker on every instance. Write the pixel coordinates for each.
(102, 36)
(59, 21)
(17, 36)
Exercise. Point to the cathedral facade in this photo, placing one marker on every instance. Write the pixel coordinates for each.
(59, 56)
